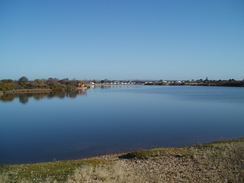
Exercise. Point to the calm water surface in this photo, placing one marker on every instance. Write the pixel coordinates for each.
(113, 119)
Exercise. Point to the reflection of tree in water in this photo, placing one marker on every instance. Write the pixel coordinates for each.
(51, 95)
(61, 95)
(58, 94)
(7, 97)
(39, 96)
(23, 99)
(73, 95)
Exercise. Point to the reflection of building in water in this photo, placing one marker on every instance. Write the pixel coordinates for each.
(81, 91)
(92, 86)
(105, 86)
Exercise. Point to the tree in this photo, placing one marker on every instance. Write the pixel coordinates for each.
(39, 81)
(23, 80)
(232, 80)
(73, 82)
(6, 84)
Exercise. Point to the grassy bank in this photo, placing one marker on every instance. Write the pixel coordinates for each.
(220, 161)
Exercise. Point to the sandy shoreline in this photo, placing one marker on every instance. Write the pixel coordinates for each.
(220, 161)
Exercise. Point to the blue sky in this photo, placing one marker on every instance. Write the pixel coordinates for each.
(122, 39)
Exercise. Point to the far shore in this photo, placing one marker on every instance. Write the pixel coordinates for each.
(47, 90)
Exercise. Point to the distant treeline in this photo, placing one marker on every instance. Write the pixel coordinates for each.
(54, 84)
(39, 85)
(230, 82)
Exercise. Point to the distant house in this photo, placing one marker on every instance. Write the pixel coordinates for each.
(78, 84)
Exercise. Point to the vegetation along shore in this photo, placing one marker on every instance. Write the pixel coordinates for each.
(24, 85)
(219, 161)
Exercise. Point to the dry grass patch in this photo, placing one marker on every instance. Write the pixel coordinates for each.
(109, 173)
(222, 159)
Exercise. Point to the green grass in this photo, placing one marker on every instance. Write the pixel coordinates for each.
(57, 170)
(147, 153)
(228, 141)
(180, 151)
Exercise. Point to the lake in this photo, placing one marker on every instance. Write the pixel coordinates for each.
(117, 118)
